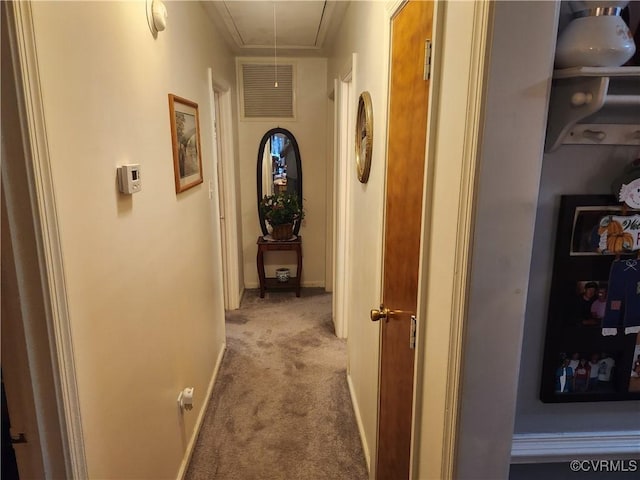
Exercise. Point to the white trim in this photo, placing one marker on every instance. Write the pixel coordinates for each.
(47, 233)
(561, 447)
(351, 77)
(342, 196)
(473, 134)
(339, 207)
(435, 428)
(330, 243)
(31, 399)
(331, 11)
(241, 294)
(356, 411)
(229, 235)
(394, 6)
(224, 134)
(218, 83)
(426, 221)
(184, 466)
(218, 207)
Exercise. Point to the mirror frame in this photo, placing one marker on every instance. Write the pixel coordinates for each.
(364, 133)
(294, 145)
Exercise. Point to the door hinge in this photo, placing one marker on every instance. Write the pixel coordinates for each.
(412, 335)
(18, 438)
(427, 59)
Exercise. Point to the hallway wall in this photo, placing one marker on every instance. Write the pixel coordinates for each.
(309, 128)
(365, 31)
(143, 271)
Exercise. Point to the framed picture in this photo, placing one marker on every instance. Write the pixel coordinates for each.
(585, 239)
(584, 361)
(185, 139)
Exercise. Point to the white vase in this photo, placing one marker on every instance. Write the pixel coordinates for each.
(596, 37)
(283, 274)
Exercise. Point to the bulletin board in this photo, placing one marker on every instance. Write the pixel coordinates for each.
(587, 358)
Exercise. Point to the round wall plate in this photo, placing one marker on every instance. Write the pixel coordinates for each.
(364, 136)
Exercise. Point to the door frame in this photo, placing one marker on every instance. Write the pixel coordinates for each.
(344, 119)
(23, 395)
(51, 291)
(459, 68)
(223, 155)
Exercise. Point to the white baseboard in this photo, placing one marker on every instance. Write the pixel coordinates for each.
(562, 447)
(356, 410)
(236, 306)
(194, 436)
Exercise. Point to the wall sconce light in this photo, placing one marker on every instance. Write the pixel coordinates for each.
(156, 16)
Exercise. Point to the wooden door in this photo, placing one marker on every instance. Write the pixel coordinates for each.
(411, 27)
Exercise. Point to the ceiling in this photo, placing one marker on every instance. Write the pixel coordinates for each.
(304, 28)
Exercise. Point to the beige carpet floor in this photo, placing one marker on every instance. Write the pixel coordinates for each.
(281, 407)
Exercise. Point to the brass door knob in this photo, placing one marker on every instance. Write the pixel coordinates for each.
(387, 313)
(378, 314)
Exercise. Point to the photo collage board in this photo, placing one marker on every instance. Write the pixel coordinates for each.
(592, 345)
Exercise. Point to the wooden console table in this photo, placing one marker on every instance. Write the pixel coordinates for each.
(273, 283)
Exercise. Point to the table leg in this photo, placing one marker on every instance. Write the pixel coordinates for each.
(261, 274)
(299, 272)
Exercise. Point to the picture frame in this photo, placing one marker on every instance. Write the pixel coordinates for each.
(575, 341)
(185, 142)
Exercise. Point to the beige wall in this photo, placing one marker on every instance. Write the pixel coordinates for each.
(364, 31)
(142, 271)
(309, 128)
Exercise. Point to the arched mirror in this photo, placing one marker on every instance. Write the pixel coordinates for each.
(279, 169)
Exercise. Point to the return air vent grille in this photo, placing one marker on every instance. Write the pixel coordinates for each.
(261, 99)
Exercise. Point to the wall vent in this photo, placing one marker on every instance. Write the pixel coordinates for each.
(260, 97)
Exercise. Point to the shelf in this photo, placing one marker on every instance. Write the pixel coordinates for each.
(597, 72)
(594, 106)
(272, 283)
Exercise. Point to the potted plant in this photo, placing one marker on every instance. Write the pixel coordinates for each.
(281, 210)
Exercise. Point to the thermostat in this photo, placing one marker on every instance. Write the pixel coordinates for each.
(129, 178)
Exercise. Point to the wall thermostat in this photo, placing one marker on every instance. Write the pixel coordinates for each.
(129, 178)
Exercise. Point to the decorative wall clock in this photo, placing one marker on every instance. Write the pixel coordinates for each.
(364, 136)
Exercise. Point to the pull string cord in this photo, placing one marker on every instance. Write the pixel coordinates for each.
(275, 46)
